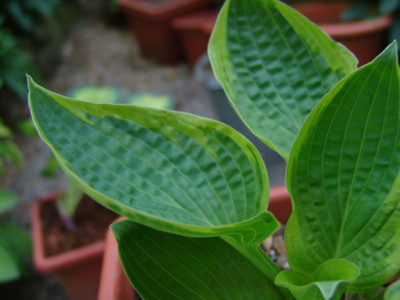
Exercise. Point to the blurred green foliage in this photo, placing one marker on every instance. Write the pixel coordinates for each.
(18, 22)
(14, 62)
(8, 149)
(23, 14)
(15, 242)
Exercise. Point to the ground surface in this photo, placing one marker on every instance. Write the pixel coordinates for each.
(99, 54)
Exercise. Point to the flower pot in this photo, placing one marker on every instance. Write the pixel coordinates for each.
(115, 285)
(78, 269)
(365, 38)
(151, 23)
(194, 31)
(280, 203)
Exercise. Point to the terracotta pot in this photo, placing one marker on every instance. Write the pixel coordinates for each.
(151, 24)
(365, 38)
(78, 269)
(194, 31)
(115, 285)
(280, 203)
(113, 282)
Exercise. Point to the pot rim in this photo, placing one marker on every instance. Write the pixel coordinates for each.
(53, 263)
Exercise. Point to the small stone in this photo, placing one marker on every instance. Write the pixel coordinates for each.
(267, 244)
(279, 245)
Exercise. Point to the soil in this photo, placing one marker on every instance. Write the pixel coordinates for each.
(91, 221)
(275, 247)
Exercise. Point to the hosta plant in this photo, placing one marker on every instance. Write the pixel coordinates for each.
(195, 192)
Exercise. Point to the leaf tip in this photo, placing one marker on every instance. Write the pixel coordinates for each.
(388, 54)
(30, 81)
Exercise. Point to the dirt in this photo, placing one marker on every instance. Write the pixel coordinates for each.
(91, 221)
(275, 247)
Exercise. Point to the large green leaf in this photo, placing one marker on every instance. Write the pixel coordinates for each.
(171, 171)
(274, 66)
(166, 169)
(167, 266)
(343, 176)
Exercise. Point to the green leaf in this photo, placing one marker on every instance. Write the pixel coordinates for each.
(5, 132)
(15, 249)
(150, 100)
(274, 66)
(7, 200)
(324, 283)
(168, 266)
(27, 128)
(8, 266)
(393, 291)
(343, 177)
(9, 151)
(171, 171)
(166, 169)
(105, 94)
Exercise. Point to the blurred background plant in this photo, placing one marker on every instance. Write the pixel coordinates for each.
(9, 152)
(15, 242)
(31, 32)
(14, 62)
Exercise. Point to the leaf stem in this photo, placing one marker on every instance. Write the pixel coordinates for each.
(261, 260)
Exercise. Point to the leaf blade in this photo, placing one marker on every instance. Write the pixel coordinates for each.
(346, 204)
(262, 52)
(187, 268)
(165, 169)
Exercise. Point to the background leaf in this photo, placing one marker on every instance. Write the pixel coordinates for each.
(9, 267)
(8, 200)
(274, 66)
(343, 176)
(15, 250)
(168, 266)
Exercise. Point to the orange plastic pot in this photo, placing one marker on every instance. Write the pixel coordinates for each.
(78, 269)
(151, 24)
(114, 283)
(365, 38)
